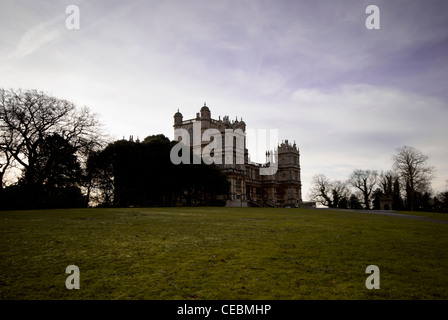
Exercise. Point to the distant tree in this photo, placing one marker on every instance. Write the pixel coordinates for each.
(28, 117)
(386, 182)
(6, 160)
(329, 193)
(339, 192)
(59, 173)
(354, 202)
(321, 190)
(128, 173)
(57, 179)
(441, 202)
(344, 202)
(396, 194)
(411, 165)
(57, 164)
(7, 138)
(390, 186)
(160, 138)
(425, 201)
(376, 198)
(99, 179)
(364, 181)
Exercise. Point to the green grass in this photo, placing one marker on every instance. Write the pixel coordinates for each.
(220, 253)
(429, 215)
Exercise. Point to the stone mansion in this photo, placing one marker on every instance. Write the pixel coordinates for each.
(247, 186)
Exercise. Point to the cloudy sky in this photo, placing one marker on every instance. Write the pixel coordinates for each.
(348, 96)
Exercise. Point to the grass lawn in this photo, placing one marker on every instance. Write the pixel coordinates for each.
(220, 253)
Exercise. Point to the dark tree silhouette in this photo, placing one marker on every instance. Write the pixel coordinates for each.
(28, 117)
(329, 193)
(44, 137)
(416, 174)
(364, 181)
(57, 177)
(128, 173)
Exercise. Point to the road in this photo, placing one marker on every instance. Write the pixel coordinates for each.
(390, 213)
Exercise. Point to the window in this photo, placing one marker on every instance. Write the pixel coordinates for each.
(190, 132)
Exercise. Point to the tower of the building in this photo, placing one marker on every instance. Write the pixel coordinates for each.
(289, 171)
(205, 112)
(247, 185)
(178, 118)
(205, 117)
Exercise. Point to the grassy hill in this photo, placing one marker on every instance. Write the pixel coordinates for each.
(220, 253)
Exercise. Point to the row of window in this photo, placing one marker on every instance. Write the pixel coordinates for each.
(291, 175)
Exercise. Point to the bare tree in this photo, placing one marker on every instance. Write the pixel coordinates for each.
(390, 186)
(416, 174)
(5, 163)
(27, 117)
(386, 181)
(364, 181)
(326, 192)
(339, 192)
(321, 190)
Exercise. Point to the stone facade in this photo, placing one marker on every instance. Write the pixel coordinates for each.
(386, 202)
(247, 186)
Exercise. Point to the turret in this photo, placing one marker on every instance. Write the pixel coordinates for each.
(205, 113)
(178, 118)
(242, 125)
(205, 117)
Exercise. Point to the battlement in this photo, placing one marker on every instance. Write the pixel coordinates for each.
(285, 146)
(208, 122)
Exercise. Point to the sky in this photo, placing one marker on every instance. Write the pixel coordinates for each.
(348, 96)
